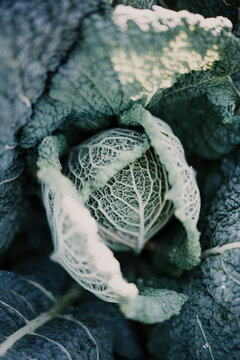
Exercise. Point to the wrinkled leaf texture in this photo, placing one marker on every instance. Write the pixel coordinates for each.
(38, 319)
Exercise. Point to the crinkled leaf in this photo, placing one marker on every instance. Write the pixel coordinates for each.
(221, 276)
(184, 191)
(129, 56)
(38, 320)
(12, 199)
(208, 326)
(77, 245)
(172, 252)
(221, 269)
(153, 305)
(124, 186)
(99, 158)
(202, 111)
(204, 330)
(35, 36)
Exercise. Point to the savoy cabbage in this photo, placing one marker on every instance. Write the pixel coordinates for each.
(118, 116)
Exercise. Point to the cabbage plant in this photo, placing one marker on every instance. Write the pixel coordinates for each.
(123, 185)
(100, 102)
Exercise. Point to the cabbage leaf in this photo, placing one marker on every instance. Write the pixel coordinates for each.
(208, 326)
(40, 319)
(184, 192)
(77, 244)
(143, 53)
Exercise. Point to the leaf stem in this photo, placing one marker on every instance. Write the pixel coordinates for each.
(40, 320)
(220, 249)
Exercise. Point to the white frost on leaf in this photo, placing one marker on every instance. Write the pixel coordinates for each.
(184, 192)
(77, 245)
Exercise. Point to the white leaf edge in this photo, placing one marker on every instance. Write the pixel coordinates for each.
(184, 192)
(85, 257)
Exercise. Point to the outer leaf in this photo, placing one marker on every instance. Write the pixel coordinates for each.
(77, 245)
(202, 112)
(172, 253)
(35, 36)
(12, 200)
(124, 186)
(208, 327)
(222, 278)
(37, 320)
(221, 269)
(204, 330)
(153, 305)
(184, 192)
(143, 53)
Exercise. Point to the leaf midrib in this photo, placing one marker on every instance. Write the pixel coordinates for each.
(40, 320)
